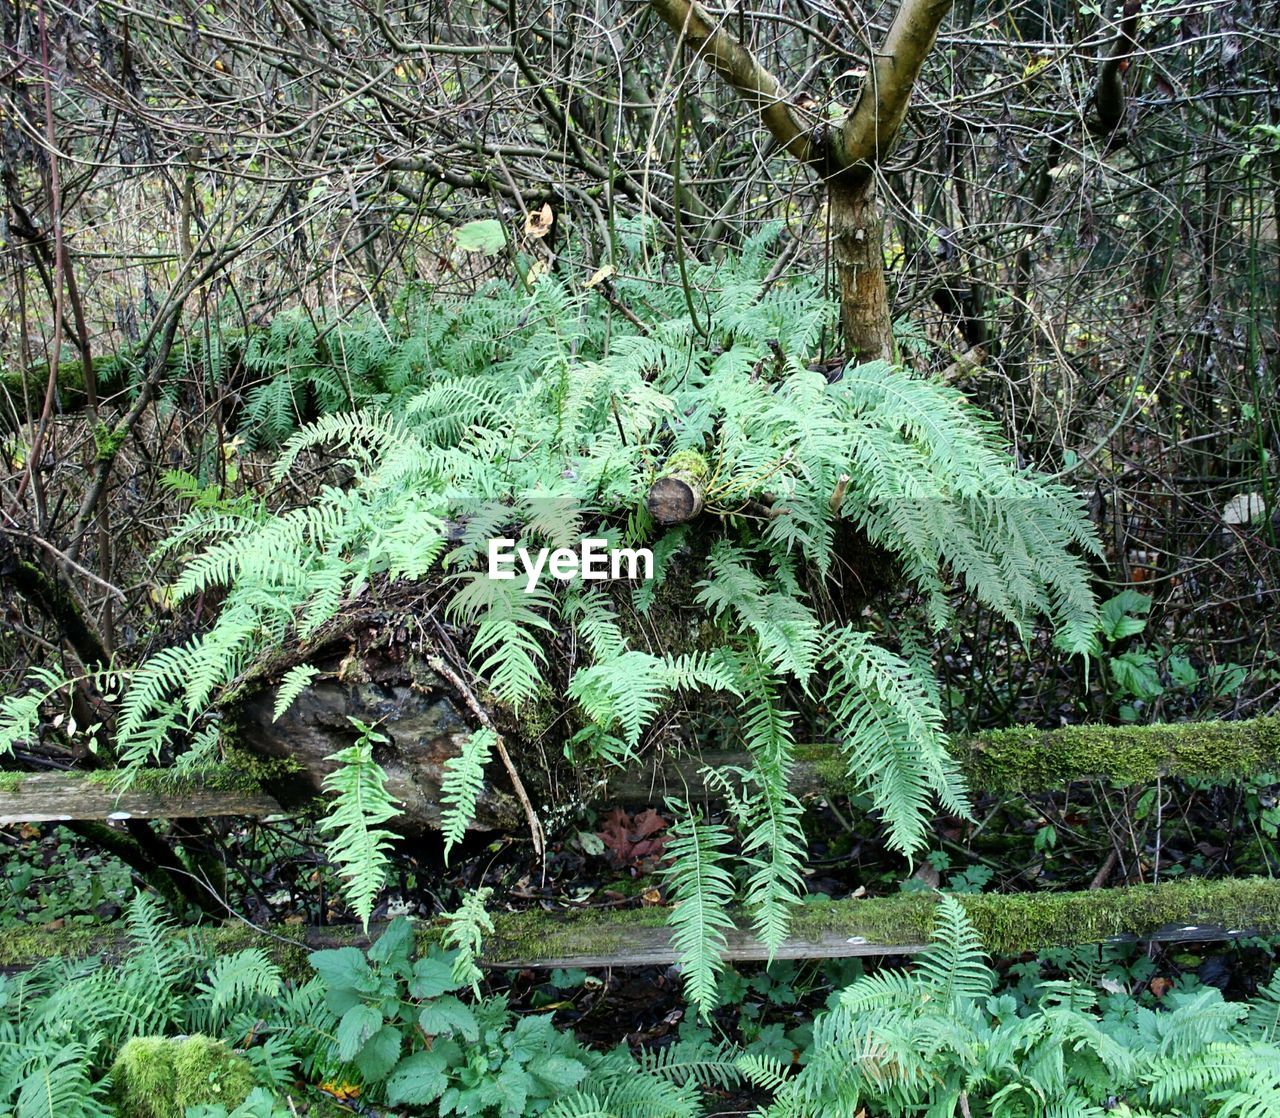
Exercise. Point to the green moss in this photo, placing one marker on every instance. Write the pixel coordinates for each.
(1029, 760)
(159, 1077)
(689, 462)
(258, 770)
(1032, 760)
(1012, 924)
(1009, 925)
(107, 442)
(212, 778)
(9, 782)
(536, 935)
(25, 944)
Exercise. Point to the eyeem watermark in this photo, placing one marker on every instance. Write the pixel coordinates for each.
(593, 561)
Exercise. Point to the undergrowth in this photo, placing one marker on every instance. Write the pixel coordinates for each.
(393, 1027)
(542, 417)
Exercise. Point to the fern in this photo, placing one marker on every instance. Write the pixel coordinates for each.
(464, 934)
(539, 416)
(460, 786)
(295, 681)
(359, 845)
(237, 981)
(701, 889)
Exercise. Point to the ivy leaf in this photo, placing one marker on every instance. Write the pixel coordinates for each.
(1116, 617)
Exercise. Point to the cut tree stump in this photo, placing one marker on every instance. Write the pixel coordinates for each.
(1176, 912)
(60, 797)
(674, 499)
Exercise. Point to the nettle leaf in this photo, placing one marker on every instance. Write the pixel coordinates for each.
(448, 1015)
(421, 1078)
(358, 1024)
(395, 944)
(432, 976)
(379, 1055)
(343, 971)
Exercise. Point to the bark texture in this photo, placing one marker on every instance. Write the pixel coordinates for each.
(425, 725)
(857, 248)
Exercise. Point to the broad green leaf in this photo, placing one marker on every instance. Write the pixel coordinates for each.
(484, 236)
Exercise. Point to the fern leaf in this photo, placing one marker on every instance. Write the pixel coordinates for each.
(461, 785)
(360, 844)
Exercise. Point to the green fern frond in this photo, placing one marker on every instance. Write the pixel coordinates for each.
(359, 845)
(460, 786)
(296, 680)
(701, 889)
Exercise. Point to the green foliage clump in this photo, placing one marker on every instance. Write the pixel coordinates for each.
(159, 1077)
(541, 417)
(940, 1041)
(65, 1024)
(406, 1035)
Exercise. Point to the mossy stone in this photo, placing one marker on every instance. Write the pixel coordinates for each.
(160, 1077)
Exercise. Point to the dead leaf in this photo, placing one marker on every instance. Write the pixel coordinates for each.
(650, 897)
(538, 223)
(1160, 986)
(600, 275)
(636, 844)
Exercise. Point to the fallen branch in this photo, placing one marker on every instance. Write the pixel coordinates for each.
(1184, 911)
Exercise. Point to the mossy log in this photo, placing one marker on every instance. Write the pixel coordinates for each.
(1193, 910)
(424, 729)
(59, 797)
(1023, 760)
(111, 371)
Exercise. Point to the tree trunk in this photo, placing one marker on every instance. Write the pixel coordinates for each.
(857, 239)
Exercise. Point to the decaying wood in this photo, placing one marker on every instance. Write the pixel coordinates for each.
(425, 723)
(674, 499)
(1183, 911)
(59, 797)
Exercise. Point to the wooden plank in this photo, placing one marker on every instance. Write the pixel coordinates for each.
(58, 797)
(1181, 911)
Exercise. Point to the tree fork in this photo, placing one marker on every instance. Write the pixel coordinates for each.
(846, 157)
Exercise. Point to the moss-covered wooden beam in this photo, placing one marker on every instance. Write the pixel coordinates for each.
(1025, 760)
(111, 370)
(1012, 761)
(1181, 911)
(58, 797)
